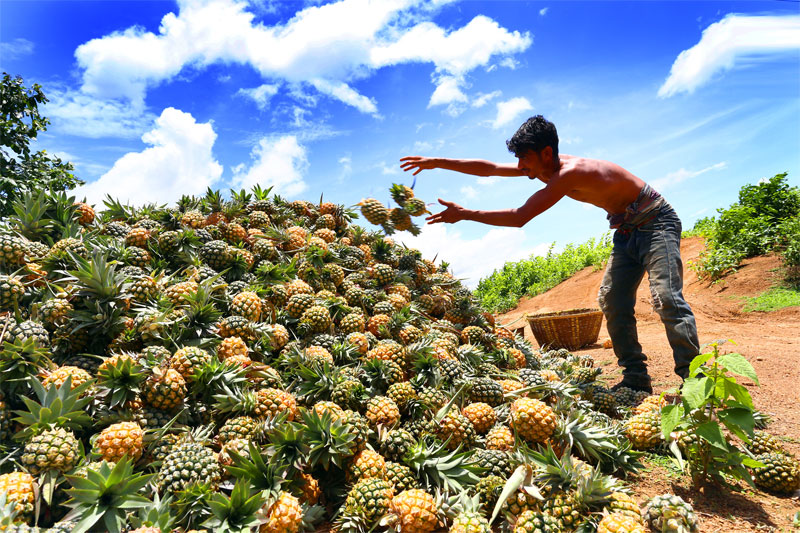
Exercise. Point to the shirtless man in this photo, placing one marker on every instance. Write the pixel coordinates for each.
(647, 236)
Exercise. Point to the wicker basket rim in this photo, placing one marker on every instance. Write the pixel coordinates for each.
(566, 312)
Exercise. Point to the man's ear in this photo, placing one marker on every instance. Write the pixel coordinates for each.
(547, 153)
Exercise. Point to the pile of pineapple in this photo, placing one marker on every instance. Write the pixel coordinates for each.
(255, 364)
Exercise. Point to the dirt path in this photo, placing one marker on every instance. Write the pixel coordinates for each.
(770, 341)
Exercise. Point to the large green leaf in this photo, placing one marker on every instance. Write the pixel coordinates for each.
(712, 433)
(670, 417)
(736, 363)
(695, 391)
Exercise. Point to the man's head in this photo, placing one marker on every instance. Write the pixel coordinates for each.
(535, 135)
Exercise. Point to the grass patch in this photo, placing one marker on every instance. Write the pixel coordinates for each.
(773, 299)
(663, 461)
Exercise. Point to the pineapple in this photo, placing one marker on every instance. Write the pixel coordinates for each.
(382, 411)
(272, 402)
(415, 511)
(366, 464)
(670, 513)
(238, 428)
(59, 376)
(248, 305)
(188, 462)
(488, 391)
(118, 440)
(623, 504)
(19, 488)
(54, 449)
(780, 473)
(369, 499)
(620, 523)
(165, 389)
(283, 516)
(533, 420)
(374, 211)
(531, 521)
(644, 430)
(11, 291)
(456, 430)
(481, 415)
(499, 438)
(187, 360)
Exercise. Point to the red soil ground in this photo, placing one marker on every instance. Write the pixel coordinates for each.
(770, 341)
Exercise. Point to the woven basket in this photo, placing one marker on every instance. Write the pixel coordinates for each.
(570, 329)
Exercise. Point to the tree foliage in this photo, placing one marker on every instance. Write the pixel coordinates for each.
(21, 168)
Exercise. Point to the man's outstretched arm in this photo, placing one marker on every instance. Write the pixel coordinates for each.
(475, 167)
(516, 218)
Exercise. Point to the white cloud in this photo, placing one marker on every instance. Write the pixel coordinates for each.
(327, 46)
(487, 180)
(261, 95)
(681, 175)
(483, 99)
(278, 163)
(389, 169)
(544, 11)
(76, 113)
(469, 192)
(345, 93)
(448, 90)
(475, 258)
(346, 170)
(179, 161)
(509, 110)
(728, 41)
(16, 49)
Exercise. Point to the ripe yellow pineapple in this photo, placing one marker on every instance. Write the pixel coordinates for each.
(415, 511)
(19, 489)
(532, 419)
(120, 439)
(165, 389)
(481, 415)
(60, 375)
(248, 305)
(271, 402)
(230, 347)
(382, 410)
(620, 523)
(499, 438)
(366, 464)
(283, 516)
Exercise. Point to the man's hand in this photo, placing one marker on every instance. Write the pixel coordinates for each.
(453, 213)
(417, 163)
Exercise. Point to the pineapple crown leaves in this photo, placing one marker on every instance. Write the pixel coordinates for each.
(156, 515)
(8, 513)
(258, 469)
(97, 278)
(20, 359)
(119, 382)
(216, 377)
(330, 442)
(261, 194)
(190, 506)
(584, 437)
(435, 466)
(236, 513)
(32, 216)
(62, 406)
(315, 381)
(115, 210)
(105, 495)
(287, 445)
(276, 274)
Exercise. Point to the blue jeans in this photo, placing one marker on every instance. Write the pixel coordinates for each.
(654, 248)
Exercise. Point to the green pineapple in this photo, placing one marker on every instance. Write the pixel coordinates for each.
(780, 473)
(668, 513)
(11, 291)
(188, 462)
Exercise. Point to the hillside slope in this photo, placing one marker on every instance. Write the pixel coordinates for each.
(770, 341)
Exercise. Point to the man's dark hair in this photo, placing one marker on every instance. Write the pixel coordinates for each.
(535, 134)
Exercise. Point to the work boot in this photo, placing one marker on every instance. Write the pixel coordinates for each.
(643, 385)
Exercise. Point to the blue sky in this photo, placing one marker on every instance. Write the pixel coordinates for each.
(154, 99)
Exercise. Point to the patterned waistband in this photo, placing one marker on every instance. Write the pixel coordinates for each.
(641, 211)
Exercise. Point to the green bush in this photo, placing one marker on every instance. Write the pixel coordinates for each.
(502, 290)
(766, 218)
